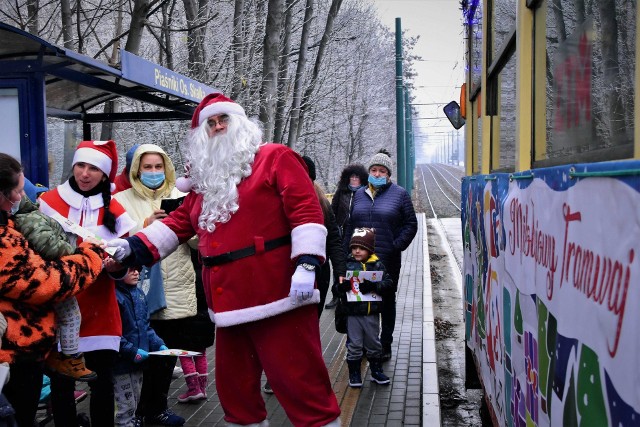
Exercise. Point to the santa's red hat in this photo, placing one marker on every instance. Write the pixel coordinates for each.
(213, 105)
(101, 154)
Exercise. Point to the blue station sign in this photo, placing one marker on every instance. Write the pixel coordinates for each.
(156, 76)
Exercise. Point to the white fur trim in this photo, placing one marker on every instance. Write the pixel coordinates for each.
(251, 314)
(162, 237)
(220, 107)
(93, 157)
(263, 423)
(309, 239)
(334, 423)
(184, 184)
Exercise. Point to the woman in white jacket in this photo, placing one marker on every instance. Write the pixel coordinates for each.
(169, 285)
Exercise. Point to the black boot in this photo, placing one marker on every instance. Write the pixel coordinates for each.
(377, 375)
(355, 379)
(386, 352)
(332, 304)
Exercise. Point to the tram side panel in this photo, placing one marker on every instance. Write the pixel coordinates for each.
(552, 284)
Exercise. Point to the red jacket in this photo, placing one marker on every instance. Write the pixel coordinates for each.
(276, 200)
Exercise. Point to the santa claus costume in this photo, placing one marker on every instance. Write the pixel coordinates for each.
(260, 229)
(101, 326)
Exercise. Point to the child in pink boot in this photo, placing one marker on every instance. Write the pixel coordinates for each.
(195, 369)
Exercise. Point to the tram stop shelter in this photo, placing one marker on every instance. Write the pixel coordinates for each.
(39, 80)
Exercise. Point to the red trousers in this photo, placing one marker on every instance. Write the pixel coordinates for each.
(288, 348)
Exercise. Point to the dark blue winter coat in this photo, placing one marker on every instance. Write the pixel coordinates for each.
(137, 333)
(383, 288)
(392, 215)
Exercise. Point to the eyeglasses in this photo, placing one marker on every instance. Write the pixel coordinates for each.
(222, 121)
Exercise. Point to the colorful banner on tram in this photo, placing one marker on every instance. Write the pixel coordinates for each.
(552, 293)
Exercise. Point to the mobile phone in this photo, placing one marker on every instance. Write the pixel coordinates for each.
(170, 205)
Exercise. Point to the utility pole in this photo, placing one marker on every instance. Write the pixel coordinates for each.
(400, 108)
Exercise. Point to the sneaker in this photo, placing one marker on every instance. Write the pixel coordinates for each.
(166, 418)
(379, 377)
(70, 366)
(331, 304)
(266, 388)
(355, 380)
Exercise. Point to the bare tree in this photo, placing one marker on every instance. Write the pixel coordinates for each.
(238, 49)
(333, 12)
(196, 12)
(269, 88)
(300, 71)
(283, 74)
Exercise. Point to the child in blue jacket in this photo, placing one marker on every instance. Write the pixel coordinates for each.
(363, 317)
(138, 338)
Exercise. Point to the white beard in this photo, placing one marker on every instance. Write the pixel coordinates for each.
(218, 164)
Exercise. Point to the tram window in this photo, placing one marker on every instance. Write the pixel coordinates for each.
(506, 137)
(504, 20)
(473, 21)
(589, 81)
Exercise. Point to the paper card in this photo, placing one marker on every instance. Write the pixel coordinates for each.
(174, 352)
(78, 230)
(355, 277)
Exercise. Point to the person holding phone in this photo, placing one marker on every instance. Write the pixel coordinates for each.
(170, 288)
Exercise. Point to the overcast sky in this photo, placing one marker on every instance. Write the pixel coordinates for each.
(441, 72)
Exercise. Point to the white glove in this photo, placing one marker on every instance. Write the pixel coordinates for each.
(302, 285)
(123, 249)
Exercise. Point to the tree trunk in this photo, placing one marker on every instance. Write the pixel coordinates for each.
(283, 75)
(333, 12)
(302, 65)
(32, 10)
(238, 49)
(558, 14)
(138, 19)
(269, 88)
(196, 12)
(67, 24)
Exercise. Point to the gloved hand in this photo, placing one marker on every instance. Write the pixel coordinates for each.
(123, 249)
(367, 286)
(140, 356)
(164, 347)
(302, 284)
(345, 286)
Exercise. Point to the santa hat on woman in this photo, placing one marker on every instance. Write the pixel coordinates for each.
(211, 105)
(101, 154)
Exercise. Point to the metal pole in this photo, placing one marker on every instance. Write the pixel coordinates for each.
(408, 137)
(400, 108)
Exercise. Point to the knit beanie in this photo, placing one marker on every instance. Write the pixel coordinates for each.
(382, 158)
(364, 237)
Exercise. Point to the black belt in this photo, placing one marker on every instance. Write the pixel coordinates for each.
(257, 247)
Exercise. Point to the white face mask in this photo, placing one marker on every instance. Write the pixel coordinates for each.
(15, 206)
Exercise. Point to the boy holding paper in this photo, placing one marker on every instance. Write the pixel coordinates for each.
(138, 338)
(366, 281)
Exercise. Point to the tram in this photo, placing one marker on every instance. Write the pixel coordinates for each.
(550, 210)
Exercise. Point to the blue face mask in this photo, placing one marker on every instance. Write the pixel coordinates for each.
(352, 188)
(377, 182)
(152, 180)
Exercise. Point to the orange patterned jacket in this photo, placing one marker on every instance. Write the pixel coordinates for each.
(30, 286)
